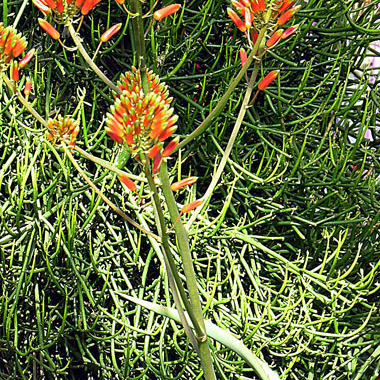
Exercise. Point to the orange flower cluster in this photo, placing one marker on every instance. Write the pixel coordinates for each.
(65, 9)
(63, 129)
(254, 13)
(142, 122)
(12, 45)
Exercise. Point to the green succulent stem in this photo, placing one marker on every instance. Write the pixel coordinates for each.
(88, 59)
(219, 107)
(188, 268)
(139, 39)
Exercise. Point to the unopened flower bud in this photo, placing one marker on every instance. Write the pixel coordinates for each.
(183, 183)
(288, 15)
(166, 11)
(110, 32)
(236, 20)
(264, 83)
(49, 29)
(191, 206)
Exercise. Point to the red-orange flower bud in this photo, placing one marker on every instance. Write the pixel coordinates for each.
(166, 11)
(127, 182)
(285, 5)
(248, 18)
(49, 29)
(155, 150)
(288, 15)
(28, 56)
(183, 183)
(243, 57)
(110, 32)
(288, 32)
(239, 7)
(170, 147)
(255, 6)
(28, 87)
(236, 19)
(14, 72)
(265, 82)
(88, 5)
(262, 5)
(274, 38)
(42, 6)
(191, 206)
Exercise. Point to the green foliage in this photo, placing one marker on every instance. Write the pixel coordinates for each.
(287, 253)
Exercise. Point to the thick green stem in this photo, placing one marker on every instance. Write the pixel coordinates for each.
(165, 244)
(88, 59)
(231, 141)
(187, 261)
(219, 107)
(139, 38)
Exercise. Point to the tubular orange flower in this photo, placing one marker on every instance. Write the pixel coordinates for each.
(166, 11)
(142, 122)
(14, 72)
(49, 29)
(236, 19)
(156, 164)
(239, 7)
(65, 9)
(288, 15)
(285, 5)
(243, 57)
(28, 56)
(264, 83)
(62, 129)
(288, 32)
(28, 87)
(183, 183)
(262, 5)
(255, 6)
(275, 37)
(170, 147)
(88, 5)
(12, 45)
(42, 6)
(127, 182)
(191, 206)
(248, 18)
(110, 32)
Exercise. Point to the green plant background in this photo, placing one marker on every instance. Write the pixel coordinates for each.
(287, 253)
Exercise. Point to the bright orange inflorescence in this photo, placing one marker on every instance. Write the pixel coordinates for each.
(142, 122)
(12, 45)
(252, 15)
(65, 9)
(63, 130)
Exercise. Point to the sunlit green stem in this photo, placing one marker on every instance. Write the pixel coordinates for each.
(107, 165)
(139, 38)
(24, 102)
(187, 261)
(88, 59)
(231, 141)
(165, 244)
(105, 199)
(219, 107)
